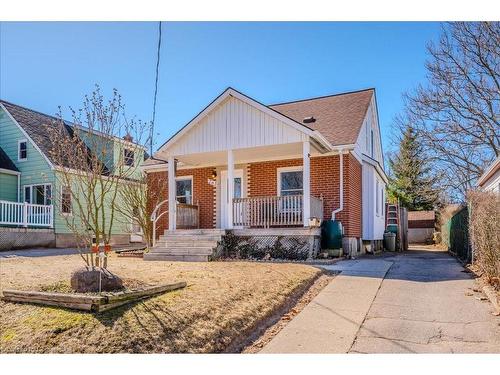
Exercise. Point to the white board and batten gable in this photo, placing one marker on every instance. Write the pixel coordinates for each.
(234, 121)
(374, 179)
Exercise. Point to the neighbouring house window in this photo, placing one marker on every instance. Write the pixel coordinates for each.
(22, 150)
(290, 182)
(377, 200)
(184, 189)
(38, 194)
(65, 200)
(128, 157)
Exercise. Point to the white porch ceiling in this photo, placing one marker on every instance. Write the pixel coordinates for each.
(246, 155)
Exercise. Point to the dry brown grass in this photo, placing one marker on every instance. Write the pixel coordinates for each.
(221, 302)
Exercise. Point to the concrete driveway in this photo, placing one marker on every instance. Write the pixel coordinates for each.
(418, 302)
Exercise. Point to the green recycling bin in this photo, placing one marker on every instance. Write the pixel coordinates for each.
(390, 241)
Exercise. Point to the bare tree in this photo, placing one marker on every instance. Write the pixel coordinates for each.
(457, 113)
(138, 200)
(96, 155)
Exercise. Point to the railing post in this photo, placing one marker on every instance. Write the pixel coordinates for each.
(25, 214)
(306, 179)
(51, 216)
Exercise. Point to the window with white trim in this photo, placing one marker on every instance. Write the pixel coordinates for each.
(290, 181)
(184, 189)
(66, 206)
(22, 150)
(383, 201)
(377, 199)
(128, 157)
(38, 194)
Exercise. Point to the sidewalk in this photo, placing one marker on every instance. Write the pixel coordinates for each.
(329, 324)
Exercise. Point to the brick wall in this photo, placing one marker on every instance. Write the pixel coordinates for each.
(203, 194)
(262, 181)
(324, 181)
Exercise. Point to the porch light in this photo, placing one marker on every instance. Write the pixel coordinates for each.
(214, 175)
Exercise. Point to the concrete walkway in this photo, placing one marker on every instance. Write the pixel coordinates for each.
(329, 323)
(417, 302)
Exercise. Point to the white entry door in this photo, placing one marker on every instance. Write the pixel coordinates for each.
(238, 193)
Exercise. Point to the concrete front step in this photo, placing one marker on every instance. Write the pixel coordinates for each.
(183, 250)
(215, 232)
(190, 243)
(185, 237)
(176, 258)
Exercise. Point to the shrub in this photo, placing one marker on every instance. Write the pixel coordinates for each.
(484, 226)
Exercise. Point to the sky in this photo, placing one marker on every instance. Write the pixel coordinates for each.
(51, 64)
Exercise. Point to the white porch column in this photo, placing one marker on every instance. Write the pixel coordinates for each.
(172, 204)
(230, 189)
(306, 181)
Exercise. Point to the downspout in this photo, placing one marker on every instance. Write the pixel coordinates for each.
(341, 185)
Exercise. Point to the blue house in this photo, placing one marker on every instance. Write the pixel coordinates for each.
(32, 198)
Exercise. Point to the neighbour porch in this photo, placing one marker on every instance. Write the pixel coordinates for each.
(14, 214)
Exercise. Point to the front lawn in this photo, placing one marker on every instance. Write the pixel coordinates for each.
(223, 303)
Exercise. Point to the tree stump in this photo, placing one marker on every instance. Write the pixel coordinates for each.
(86, 280)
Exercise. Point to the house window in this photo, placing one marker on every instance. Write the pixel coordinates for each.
(383, 201)
(22, 153)
(371, 143)
(65, 200)
(184, 189)
(128, 157)
(290, 181)
(38, 194)
(377, 199)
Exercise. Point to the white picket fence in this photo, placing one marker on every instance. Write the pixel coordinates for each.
(26, 214)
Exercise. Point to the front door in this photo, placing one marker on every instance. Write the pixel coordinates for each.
(238, 193)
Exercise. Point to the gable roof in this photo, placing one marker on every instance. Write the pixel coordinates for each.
(316, 136)
(338, 117)
(6, 163)
(36, 124)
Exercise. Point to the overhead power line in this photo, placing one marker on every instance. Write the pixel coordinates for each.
(158, 49)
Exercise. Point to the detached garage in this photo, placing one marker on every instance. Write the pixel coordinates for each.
(421, 226)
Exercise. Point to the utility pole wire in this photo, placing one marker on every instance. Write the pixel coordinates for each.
(156, 90)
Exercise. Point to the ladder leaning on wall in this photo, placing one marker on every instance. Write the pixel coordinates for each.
(392, 217)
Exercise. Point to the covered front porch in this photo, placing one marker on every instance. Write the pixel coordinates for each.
(245, 188)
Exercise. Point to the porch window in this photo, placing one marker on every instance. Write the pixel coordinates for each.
(290, 181)
(184, 189)
(38, 194)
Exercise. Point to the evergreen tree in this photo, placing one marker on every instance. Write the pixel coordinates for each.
(410, 180)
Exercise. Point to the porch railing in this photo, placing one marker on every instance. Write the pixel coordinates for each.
(317, 207)
(273, 211)
(26, 214)
(187, 216)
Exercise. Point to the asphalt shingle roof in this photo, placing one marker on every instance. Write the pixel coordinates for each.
(37, 125)
(6, 163)
(338, 117)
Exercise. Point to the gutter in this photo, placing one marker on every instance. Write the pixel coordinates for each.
(341, 185)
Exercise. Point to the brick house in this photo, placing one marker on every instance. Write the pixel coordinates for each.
(281, 165)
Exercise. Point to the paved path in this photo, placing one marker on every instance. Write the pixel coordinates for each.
(417, 302)
(35, 253)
